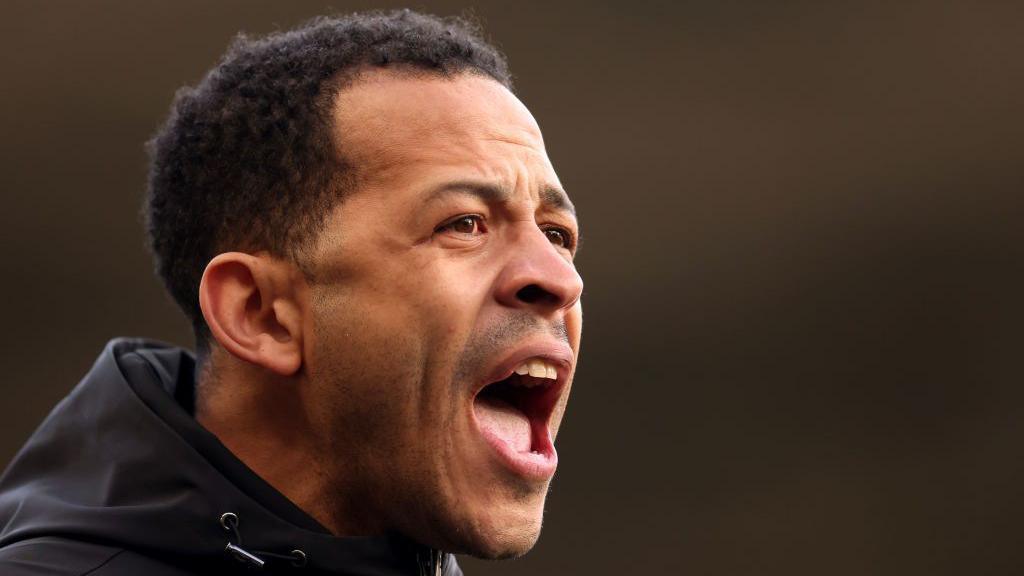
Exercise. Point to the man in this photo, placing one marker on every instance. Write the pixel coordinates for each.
(361, 222)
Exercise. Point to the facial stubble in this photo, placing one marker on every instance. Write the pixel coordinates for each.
(416, 499)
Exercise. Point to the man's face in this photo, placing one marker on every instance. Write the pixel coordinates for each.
(446, 273)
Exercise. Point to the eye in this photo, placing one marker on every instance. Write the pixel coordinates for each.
(560, 237)
(469, 224)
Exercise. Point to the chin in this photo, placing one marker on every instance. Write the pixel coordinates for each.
(500, 531)
(503, 544)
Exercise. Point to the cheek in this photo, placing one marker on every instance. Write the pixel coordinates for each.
(363, 366)
(383, 363)
(449, 298)
(385, 347)
(445, 310)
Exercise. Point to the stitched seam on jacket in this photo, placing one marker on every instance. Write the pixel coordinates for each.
(104, 563)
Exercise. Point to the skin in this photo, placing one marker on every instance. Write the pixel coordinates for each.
(351, 389)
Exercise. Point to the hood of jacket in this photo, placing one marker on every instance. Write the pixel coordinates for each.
(121, 462)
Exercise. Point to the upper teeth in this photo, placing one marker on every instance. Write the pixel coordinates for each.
(538, 369)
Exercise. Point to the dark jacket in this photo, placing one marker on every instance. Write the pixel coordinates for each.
(120, 479)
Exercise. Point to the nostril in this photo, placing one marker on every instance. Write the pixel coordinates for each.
(534, 294)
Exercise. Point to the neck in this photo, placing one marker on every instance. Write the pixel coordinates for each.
(261, 421)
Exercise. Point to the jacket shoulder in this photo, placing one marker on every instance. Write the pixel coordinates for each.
(55, 556)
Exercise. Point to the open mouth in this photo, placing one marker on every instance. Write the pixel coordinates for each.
(513, 415)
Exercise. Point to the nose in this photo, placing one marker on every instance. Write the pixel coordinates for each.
(538, 276)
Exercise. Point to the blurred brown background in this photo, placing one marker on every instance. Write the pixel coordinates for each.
(803, 249)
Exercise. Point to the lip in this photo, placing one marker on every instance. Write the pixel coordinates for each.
(557, 353)
(539, 464)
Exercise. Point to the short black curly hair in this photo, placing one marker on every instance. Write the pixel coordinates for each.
(246, 160)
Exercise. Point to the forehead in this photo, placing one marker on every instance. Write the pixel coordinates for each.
(389, 123)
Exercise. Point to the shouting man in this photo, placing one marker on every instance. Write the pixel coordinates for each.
(361, 221)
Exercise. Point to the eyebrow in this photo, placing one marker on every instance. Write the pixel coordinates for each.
(550, 196)
(557, 198)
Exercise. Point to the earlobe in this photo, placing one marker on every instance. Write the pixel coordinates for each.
(249, 304)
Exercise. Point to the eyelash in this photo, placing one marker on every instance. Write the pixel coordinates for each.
(449, 224)
(570, 241)
(569, 237)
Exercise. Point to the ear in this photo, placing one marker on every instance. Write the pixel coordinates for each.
(250, 302)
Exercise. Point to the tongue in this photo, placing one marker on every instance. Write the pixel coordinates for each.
(506, 421)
